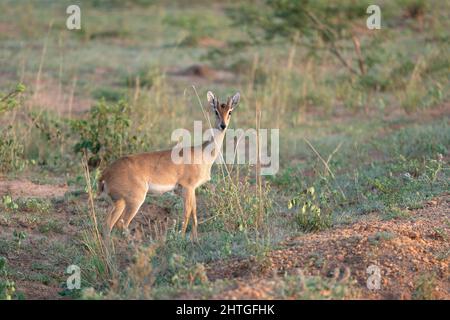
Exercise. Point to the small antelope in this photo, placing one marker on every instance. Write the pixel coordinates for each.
(128, 179)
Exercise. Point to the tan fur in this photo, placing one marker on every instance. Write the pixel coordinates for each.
(127, 180)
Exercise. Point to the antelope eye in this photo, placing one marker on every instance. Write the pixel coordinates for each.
(217, 112)
(229, 113)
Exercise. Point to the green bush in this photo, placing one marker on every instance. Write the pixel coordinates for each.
(106, 134)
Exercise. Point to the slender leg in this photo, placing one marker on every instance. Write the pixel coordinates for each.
(114, 214)
(187, 195)
(119, 223)
(131, 209)
(194, 235)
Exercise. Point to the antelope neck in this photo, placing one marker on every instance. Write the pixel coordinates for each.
(217, 138)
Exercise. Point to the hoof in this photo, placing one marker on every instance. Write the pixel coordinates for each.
(120, 224)
(194, 238)
(126, 233)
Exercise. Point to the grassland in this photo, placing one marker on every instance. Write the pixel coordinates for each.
(364, 157)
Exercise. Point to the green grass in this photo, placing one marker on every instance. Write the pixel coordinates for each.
(54, 226)
(313, 288)
(396, 213)
(36, 205)
(408, 170)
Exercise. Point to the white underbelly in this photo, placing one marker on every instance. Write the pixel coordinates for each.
(160, 188)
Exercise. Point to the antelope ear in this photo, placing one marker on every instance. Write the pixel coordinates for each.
(235, 100)
(213, 101)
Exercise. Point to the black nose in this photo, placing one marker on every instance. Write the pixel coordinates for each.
(222, 126)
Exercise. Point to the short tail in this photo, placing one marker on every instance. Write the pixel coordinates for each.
(101, 186)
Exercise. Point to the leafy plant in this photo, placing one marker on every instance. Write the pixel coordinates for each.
(308, 215)
(7, 287)
(9, 101)
(37, 205)
(105, 135)
(9, 203)
(19, 236)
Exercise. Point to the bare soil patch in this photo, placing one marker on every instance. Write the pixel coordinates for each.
(28, 189)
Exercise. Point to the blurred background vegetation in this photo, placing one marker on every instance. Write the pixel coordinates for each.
(298, 60)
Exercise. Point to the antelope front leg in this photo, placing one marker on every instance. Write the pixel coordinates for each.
(114, 215)
(187, 196)
(194, 235)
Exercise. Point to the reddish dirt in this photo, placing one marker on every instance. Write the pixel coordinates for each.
(28, 189)
(38, 291)
(414, 247)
